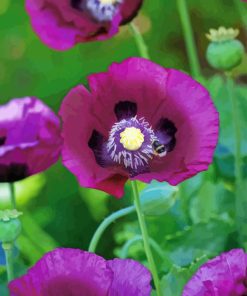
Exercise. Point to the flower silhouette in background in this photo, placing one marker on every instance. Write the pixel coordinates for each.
(223, 275)
(139, 121)
(30, 140)
(61, 24)
(72, 272)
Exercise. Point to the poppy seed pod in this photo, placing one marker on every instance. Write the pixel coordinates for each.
(157, 198)
(10, 225)
(224, 51)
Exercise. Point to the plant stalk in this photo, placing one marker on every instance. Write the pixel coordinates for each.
(142, 47)
(145, 237)
(12, 195)
(102, 227)
(7, 247)
(189, 38)
(240, 200)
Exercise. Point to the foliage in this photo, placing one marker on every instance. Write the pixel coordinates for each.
(200, 224)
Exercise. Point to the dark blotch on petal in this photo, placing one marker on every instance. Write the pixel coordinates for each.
(13, 172)
(2, 140)
(125, 110)
(96, 140)
(98, 144)
(76, 4)
(166, 131)
(100, 31)
(245, 279)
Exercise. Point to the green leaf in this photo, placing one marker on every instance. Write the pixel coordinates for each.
(3, 290)
(216, 86)
(212, 200)
(203, 205)
(208, 238)
(172, 284)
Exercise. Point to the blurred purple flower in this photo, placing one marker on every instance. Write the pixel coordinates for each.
(61, 24)
(30, 140)
(224, 275)
(139, 121)
(72, 272)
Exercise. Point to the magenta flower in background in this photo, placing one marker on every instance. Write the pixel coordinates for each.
(72, 272)
(139, 121)
(61, 24)
(30, 140)
(224, 275)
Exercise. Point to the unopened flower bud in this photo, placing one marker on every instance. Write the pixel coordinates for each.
(224, 52)
(10, 225)
(157, 198)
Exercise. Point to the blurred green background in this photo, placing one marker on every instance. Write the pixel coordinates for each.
(57, 212)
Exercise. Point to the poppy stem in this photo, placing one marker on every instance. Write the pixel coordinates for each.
(102, 227)
(7, 247)
(242, 9)
(189, 38)
(145, 237)
(12, 195)
(240, 201)
(138, 238)
(142, 47)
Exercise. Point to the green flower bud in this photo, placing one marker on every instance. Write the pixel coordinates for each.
(10, 225)
(157, 198)
(224, 51)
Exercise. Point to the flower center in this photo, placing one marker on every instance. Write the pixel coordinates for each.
(99, 10)
(107, 2)
(130, 144)
(132, 138)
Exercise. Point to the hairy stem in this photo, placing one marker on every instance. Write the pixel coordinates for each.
(145, 238)
(102, 227)
(142, 47)
(7, 247)
(12, 195)
(189, 38)
(242, 10)
(240, 200)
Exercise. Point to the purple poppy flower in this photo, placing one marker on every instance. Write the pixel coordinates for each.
(224, 275)
(61, 24)
(30, 138)
(72, 272)
(139, 121)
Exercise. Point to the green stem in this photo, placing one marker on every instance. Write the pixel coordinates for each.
(142, 47)
(7, 247)
(242, 10)
(138, 238)
(145, 237)
(102, 227)
(240, 200)
(12, 195)
(189, 38)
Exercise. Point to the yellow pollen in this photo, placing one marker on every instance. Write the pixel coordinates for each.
(132, 138)
(108, 1)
